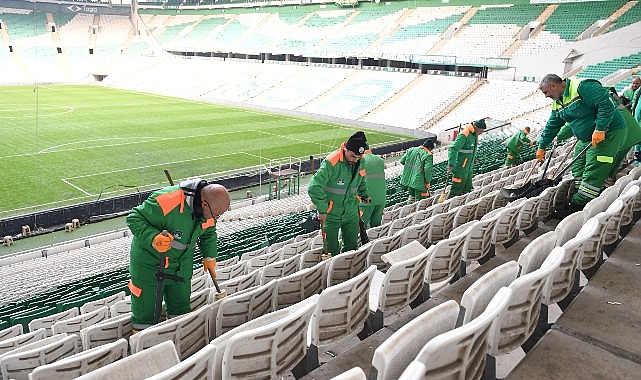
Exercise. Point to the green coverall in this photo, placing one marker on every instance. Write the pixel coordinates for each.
(587, 106)
(514, 148)
(166, 209)
(460, 155)
(333, 190)
(376, 187)
(417, 172)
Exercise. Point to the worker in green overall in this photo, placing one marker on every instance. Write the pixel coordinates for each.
(591, 113)
(372, 212)
(334, 189)
(461, 156)
(515, 146)
(417, 170)
(169, 222)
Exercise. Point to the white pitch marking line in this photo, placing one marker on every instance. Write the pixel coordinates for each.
(75, 187)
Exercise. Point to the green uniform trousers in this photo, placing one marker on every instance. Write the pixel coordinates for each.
(372, 214)
(597, 166)
(512, 157)
(176, 295)
(461, 182)
(417, 194)
(348, 225)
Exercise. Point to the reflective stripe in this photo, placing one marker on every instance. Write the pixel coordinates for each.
(586, 194)
(381, 175)
(139, 326)
(606, 159)
(335, 191)
(590, 187)
(466, 151)
(413, 167)
(179, 245)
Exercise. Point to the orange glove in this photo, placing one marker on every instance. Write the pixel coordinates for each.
(540, 154)
(209, 265)
(597, 137)
(162, 241)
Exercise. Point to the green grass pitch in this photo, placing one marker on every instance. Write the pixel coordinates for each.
(62, 145)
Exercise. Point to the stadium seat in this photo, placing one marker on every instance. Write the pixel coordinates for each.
(340, 313)
(237, 309)
(398, 224)
(14, 342)
(97, 304)
(569, 227)
(108, 331)
(444, 261)
(399, 286)
(11, 332)
(75, 324)
(382, 246)
(416, 232)
(262, 260)
(19, 362)
(121, 307)
(310, 258)
(396, 352)
(355, 373)
(231, 271)
(536, 252)
(294, 248)
(300, 285)
(189, 332)
(461, 351)
(140, 365)
(441, 225)
(279, 269)
(47, 322)
(82, 362)
(347, 265)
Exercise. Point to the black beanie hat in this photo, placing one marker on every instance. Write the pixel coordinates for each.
(480, 124)
(356, 143)
(429, 144)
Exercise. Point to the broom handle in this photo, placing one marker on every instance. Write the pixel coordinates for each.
(565, 159)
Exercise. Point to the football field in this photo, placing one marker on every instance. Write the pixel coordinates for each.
(68, 144)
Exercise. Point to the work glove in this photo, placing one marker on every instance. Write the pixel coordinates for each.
(209, 265)
(540, 154)
(162, 242)
(597, 137)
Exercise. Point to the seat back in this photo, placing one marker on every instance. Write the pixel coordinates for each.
(47, 322)
(300, 285)
(90, 306)
(230, 271)
(140, 365)
(189, 332)
(200, 365)
(235, 310)
(341, 310)
(18, 363)
(416, 232)
(478, 295)
(239, 283)
(513, 327)
(461, 353)
(294, 248)
(382, 246)
(82, 362)
(75, 324)
(107, 331)
(347, 265)
(569, 227)
(479, 240)
(11, 332)
(279, 269)
(536, 252)
(397, 351)
(444, 260)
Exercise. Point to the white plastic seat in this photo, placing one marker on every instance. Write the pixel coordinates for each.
(592, 246)
(262, 260)
(21, 340)
(477, 296)
(536, 252)
(395, 289)
(374, 233)
(294, 248)
(11, 332)
(347, 265)
(444, 261)
(140, 365)
(460, 353)
(441, 225)
(399, 224)
(82, 362)
(239, 283)
(200, 365)
(279, 269)
(546, 206)
(479, 243)
(75, 324)
(528, 217)
(339, 314)
(90, 306)
(225, 263)
(230, 271)
(310, 258)
(466, 213)
(18, 363)
(594, 207)
(569, 227)
(107, 331)
(416, 232)
(397, 351)
(486, 204)
(633, 189)
(270, 345)
(189, 332)
(201, 282)
(513, 327)
(120, 307)
(613, 225)
(382, 246)
(235, 310)
(47, 322)
(251, 254)
(300, 285)
(505, 231)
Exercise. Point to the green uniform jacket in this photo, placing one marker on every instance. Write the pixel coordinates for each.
(585, 105)
(168, 209)
(417, 172)
(460, 155)
(334, 187)
(517, 141)
(375, 177)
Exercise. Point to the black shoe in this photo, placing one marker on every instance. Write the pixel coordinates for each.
(566, 210)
